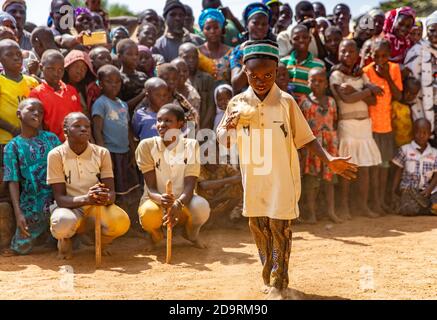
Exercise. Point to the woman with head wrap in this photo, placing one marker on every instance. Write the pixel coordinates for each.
(6, 20)
(256, 18)
(117, 34)
(422, 61)
(83, 20)
(214, 54)
(397, 27)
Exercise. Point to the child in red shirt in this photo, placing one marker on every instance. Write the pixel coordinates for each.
(58, 98)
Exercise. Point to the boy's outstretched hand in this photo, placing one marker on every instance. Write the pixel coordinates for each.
(343, 167)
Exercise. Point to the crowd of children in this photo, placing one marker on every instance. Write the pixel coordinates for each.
(85, 126)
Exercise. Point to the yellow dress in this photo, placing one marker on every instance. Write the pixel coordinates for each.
(219, 69)
(402, 123)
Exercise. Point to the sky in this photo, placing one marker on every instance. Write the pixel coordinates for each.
(38, 9)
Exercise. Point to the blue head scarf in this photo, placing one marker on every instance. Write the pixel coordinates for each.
(113, 31)
(255, 8)
(213, 14)
(4, 16)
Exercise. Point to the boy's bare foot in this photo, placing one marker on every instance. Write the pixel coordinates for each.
(311, 219)
(369, 213)
(150, 245)
(334, 218)
(9, 253)
(345, 214)
(199, 244)
(65, 249)
(275, 294)
(266, 288)
(106, 252)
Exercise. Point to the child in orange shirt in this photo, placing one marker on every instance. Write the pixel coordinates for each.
(386, 75)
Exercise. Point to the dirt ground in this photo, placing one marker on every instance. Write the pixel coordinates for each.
(387, 258)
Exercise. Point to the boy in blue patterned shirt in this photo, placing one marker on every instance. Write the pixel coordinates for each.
(25, 170)
(415, 176)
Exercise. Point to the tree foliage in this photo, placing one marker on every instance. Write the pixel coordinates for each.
(423, 7)
(114, 9)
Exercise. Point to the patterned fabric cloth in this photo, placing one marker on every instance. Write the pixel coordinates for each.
(236, 58)
(418, 167)
(399, 46)
(322, 121)
(422, 61)
(298, 72)
(402, 123)
(25, 161)
(219, 69)
(273, 240)
(219, 172)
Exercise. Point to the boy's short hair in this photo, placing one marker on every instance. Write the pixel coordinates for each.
(27, 102)
(166, 67)
(7, 43)
(187, 46)
(260, 49)
(381, 43)
(303, 5)
(124, 44)
(334, 29)
(153, 83)
(50, 54)
(176, 110)
(105, 70)
(38, 31)
(299, 27)
(69, 117)
(93, 54)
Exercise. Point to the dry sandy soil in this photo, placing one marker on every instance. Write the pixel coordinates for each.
(386, 258)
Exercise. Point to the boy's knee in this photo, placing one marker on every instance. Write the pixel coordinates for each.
(120, 223)
(150, 215)
(200, 210)
(63, 223)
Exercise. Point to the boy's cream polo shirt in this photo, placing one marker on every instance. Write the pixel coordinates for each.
(173, 164)
(277, 128)
(78, 172)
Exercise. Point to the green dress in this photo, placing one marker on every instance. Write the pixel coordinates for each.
(25, 162)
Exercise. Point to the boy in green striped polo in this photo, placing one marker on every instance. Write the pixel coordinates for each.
(300, 62)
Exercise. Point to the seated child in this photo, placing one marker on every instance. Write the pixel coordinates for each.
(111, 130)
(222, 95)
(144, 119)
(25, 161)
(172, 157)
(402, 118)
(80, 174)
(320, 111)
(220, 184)
(416, 176)
(53, 93)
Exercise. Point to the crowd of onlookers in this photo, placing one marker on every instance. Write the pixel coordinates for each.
(367, 87)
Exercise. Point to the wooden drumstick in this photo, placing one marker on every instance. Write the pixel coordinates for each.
(168, 190)
(98, 234)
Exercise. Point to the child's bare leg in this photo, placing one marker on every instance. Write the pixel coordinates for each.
(376, 189)
(383, 174)
(65, 249)
(330, 200)
(363, 181)
(311, 198)
(344, 200)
